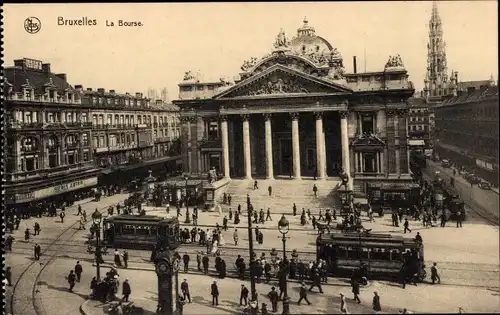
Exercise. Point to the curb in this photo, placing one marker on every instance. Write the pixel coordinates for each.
(82, 306)
(228, 275)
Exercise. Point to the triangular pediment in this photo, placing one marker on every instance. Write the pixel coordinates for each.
(367, 141)
(281, 80)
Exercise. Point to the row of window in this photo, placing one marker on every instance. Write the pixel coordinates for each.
(129, 120)
(118, 101)
(29, 144)
(27, 116)
(33, 162)
(418, 128)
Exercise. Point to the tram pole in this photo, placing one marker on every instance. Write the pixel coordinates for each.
(97, 219)
(252, 261)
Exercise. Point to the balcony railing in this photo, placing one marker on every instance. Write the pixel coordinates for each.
(21, 97)
(162, 139)
(23, 125)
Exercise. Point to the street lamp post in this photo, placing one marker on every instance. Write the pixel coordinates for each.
(97, 219)
(252, 261)
(284, 227)
(187, 219)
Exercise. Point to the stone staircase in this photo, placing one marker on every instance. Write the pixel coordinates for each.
(284, 194)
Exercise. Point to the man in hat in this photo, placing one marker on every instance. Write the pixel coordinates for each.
(303, 294)
(185, 290)
(244, 295)
(273, 297)
(78, 271)
(215, 293)
(126, 290)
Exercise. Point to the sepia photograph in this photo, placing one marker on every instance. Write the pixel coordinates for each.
(251, 158)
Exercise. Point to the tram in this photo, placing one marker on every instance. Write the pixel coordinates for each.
(140, 232)
(392, 195)
(379, 255)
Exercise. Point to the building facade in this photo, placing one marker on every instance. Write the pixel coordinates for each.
(419, 124)
(131, 134)
(48, 151)
(60, 138)
(295, 112)
(467, 130)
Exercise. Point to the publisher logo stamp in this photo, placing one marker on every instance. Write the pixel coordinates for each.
(32, 25)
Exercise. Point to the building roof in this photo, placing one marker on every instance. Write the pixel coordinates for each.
(477, 95)
(38, 79)
(417, 102)
(464, 85)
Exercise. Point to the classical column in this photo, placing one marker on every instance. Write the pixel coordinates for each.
(320, 149)
(377, 164)
(323, 156)
(246, 147)
(225, 145)
(356, 162)
(397, 143)
(381, 159)
(345, 146)
(296, 145)
(269, 147)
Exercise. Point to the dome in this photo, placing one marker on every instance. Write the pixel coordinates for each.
(307, 42)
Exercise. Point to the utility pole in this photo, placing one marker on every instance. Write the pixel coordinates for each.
(252, 259)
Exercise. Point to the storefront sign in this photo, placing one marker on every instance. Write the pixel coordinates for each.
(54, 190)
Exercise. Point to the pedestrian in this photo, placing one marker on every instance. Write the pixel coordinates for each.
(79, 210)
(8, 242)
(125, 258)
(355, 290)
(343, 304)
(434, 274)
(406, 226)
(126, 290)
(8, 276)
(26, 234)
(268, 215)
(93, 287)
(443, 218)
(37, 251)
(118, 261)
(294, 209)
(185, 259)
(376, 302)
(78, 271)
(62, 215)
(315, 190)
(205, 260)
(303, 294)
(243, 295)
(273, 297)
(214, 290)
(235, 237)
(270, 190)
(37, 229)
(71, 280)
(459, 218)
(185, 290)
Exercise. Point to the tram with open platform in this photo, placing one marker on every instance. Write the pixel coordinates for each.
(140, 232)
(379, 255)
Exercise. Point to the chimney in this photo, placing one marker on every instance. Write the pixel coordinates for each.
(78, 87)
(354, 64)
(19, 63)
(62, 76)
(112, 91)
(89, 89)
(138, 95)
(100, 90)
(158, 102)
(46, 67)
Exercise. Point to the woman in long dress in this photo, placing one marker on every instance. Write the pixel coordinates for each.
(118, 261)
(215, 247)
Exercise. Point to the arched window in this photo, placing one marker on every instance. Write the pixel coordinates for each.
(29, 144)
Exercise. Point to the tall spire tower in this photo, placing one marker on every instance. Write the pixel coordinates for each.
(436, 79)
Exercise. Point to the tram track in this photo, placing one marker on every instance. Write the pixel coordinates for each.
(45, 259)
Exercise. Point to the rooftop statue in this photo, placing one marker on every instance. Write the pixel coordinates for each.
(248, 64)
(281, 40)
(189, 76)
(394, 61)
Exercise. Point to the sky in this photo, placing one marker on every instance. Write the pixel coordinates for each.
(216, 38)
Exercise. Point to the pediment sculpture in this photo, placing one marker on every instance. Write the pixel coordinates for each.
(279, 87)
(394, 61)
